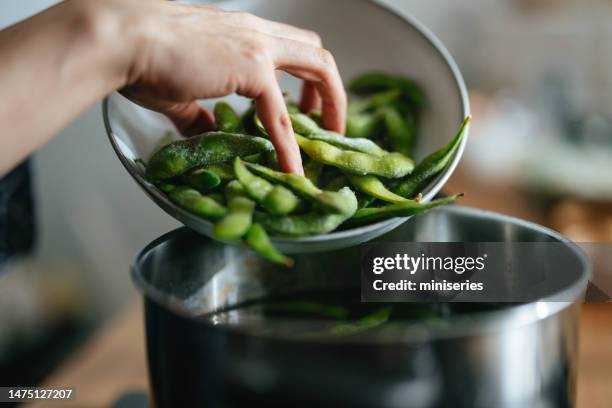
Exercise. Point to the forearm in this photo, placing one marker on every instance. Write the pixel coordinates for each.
(54, 65)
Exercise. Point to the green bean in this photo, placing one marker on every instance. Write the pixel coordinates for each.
(257, 238)
(227, 119)
(391, 165)
(374, 187)
(313, 170)
(305, 126)
(405, 209)
(400, 131)
(275, 199)
(203, 180)
(234, 189)
(432, 166)
(343, 202)
(194, 202)
(374, 82)
(204, 150)
(237, 221)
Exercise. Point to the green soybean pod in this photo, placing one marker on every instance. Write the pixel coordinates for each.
(313, 171)
(337, 183)
(200, 151)
(374, 82)
(305, 126)
(235, 224)
(374, 187)
(275, 199)
(432, 166)
(400, 131)
(203, 180)
(405, 209)
(368, 322)
(391, 165)
(227, 119)
(376, 101)
(343, 202)
(194, 202)
(362, 125)
(218, 197)
(313, 223)
(166, 187)
(234, 189)
(257, 239)
(223, 171)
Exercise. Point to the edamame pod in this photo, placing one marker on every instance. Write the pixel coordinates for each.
(313, 223)
(257, 239)
(166, 187)
(432, 166)
(237, 221)
(391, 165)
(275, 199)
(234, 189)
(209, 148)
(337, 183)
(373, 82)
(343, 202)
(313, 170)
(405, 209)
(400, 131)
(227, 119)
(374, 187)
(203, 180)
(362, 125)
(376, 101)
(194, 202)
(305, 126)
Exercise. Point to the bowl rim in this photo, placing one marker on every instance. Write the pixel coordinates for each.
(516, 315)
(386, 225)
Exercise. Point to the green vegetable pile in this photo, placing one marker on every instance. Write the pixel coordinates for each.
(231, 177)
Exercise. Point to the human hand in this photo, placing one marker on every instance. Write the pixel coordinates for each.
(186, 52)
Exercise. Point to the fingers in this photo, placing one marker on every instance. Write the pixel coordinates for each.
(190, 118)
(318, 66)
(311, 100)
(273, 113)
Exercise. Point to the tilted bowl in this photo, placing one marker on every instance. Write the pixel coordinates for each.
(363, 36)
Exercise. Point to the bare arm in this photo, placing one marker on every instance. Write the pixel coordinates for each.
(164, 56)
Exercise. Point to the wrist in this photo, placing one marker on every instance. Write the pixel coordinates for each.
(112, 38)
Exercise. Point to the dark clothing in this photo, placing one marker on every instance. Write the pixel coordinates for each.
(16, 213)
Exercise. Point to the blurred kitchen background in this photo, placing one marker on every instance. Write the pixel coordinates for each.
(540, 77)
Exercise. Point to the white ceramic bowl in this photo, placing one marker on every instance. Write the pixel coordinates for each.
(362, 35)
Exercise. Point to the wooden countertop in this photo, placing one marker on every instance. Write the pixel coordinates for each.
(113, 362)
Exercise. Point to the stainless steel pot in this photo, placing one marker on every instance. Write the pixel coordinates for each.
(518, 356)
